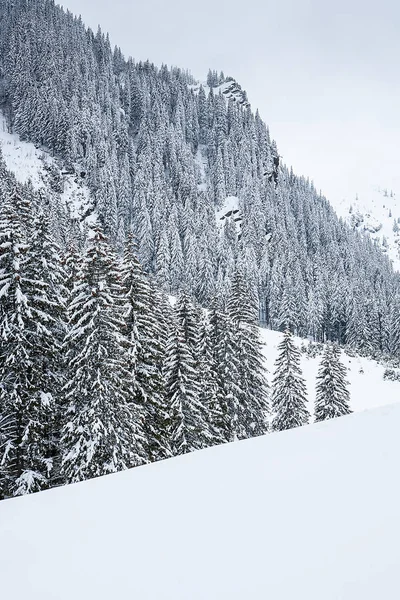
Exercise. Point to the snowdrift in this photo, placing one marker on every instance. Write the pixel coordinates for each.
(311, 513)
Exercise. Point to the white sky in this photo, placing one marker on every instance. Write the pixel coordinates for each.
(324, 74)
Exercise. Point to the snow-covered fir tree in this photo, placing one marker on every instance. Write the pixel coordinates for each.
(332, 394)
(32, 329)
(146, 352)
(102, 430)
(46, 277)
(289, 395)
(16, 391)
(186, 416)
(226, 371)
(207, 384)
(188, 318)
(253, 403)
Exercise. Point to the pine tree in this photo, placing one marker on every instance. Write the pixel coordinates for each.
(146, 351)
(187, 426)
(31, 310)
(253, 395)
(288, 387)
(332, 395)
(101, 432)
(226, 372)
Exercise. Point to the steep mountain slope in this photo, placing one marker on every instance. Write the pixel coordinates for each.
(160, 154)
(310, 513)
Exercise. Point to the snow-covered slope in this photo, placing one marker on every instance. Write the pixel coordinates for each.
(368, 388)
(29, 163)
(375, 211)
(230, 209)
(311, 514)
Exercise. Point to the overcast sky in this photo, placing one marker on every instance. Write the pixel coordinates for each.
(324, 74)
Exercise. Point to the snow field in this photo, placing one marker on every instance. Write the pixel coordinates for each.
(310, 513)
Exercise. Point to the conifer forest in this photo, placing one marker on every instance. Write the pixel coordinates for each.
(129, 327)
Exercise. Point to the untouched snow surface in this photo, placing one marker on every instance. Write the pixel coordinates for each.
(311, 514)
(22, 158)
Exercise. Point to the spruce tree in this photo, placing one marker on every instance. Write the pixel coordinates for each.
(253, 403)
(101, 432)
(332, 394)
(146, 351)
(288, 387)
(186, 423)
(31, 320)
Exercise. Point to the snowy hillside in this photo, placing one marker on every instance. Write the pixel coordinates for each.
(30, 164)
(376, 211)
(310, 514)
(368, 388)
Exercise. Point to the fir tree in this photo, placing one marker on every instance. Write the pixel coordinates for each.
(101, 432)
(46, 292)
(188, 320)
(288, 387)
(146, 351)
(16, 391)
(332, 395)
(226, 372)
(30, 357)
(187, 426)
(208, 388)
(253, 395)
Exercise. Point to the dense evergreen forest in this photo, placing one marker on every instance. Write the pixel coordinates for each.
(159, 158)
(97, 371)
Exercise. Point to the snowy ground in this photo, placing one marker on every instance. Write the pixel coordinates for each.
(229, 209)
(29, 163)
(22, 158)
(311, 514)
(368, 389)
(374, 211)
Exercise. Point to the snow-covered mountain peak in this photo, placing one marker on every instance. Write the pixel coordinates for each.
(229, 87)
